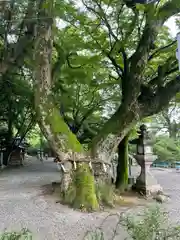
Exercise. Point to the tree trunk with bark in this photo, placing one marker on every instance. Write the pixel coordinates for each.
(58, 134)
(85, 192)
(105, 144)
(122, 167)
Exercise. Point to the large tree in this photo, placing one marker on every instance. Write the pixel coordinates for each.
(128, 39)
(131, 50)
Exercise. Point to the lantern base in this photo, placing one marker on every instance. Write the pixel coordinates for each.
(147, 185)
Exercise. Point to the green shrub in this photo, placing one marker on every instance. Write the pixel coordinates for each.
(145, 226)
(152, 224)
(167, 149)
(24, 234)
(96, 235)
(32, 151)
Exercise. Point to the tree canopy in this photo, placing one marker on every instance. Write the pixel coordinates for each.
(112, 64)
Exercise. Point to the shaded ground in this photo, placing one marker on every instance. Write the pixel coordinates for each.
(23, 205)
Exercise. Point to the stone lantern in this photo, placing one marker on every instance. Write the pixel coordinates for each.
(145, 182)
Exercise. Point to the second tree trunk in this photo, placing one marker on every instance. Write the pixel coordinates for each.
(122, 168)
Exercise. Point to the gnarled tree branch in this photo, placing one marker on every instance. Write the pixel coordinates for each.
(154, 21)
(161, 98)
(158, 80)
(153, 24)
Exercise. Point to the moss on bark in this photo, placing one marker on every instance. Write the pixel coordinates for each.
(122, 168)
(85, 192)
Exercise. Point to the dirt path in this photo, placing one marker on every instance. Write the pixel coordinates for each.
(23, 205)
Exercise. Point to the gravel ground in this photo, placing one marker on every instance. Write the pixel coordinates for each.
(23, 205)
(170, 180)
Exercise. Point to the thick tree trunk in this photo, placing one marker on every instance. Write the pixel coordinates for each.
(78, 187)
(9, 142)
(105, 144)
(58, 134)
(122, 167)
(61, 139)
(85, 192)
(9, 134)
(10, 129)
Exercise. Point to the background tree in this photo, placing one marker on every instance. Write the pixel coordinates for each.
(167, 149)
(168, 121)
(165, 133)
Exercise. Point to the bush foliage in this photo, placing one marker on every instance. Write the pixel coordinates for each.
(152, 224)
(167, 149)
(24, 234)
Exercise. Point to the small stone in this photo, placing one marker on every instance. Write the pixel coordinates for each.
(160, 192)
(160, 198)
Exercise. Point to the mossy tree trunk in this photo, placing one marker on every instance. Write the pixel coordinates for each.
(122, 167)
(58, 134)
(61, 139)
(85, 192)
(53, 126)
(114, 130)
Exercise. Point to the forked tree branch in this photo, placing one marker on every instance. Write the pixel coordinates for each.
(154, 21)
(161, 98)
(154, 54)
(153, 24)
(158, 80)
(102, 16)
